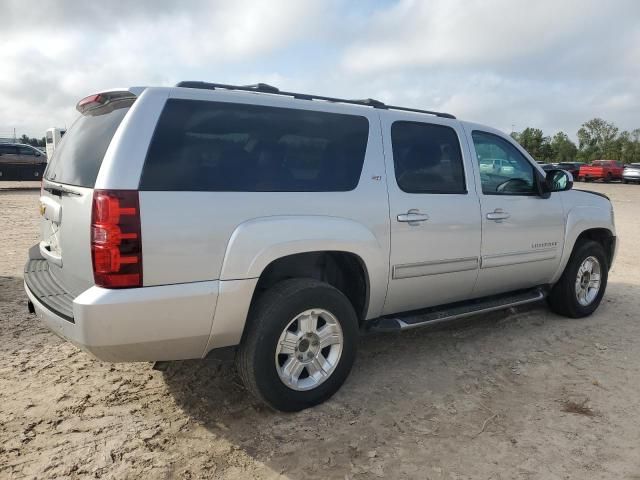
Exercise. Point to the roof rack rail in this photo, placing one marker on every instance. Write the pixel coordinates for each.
(266, 88)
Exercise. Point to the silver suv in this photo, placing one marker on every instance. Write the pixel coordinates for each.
(177, 221)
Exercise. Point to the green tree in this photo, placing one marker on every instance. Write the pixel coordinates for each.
(597, 140)
(563, 149)
(534, 142)
(32, 141)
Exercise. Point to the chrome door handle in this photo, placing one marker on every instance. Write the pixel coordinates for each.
(498, 214)
(413, 217)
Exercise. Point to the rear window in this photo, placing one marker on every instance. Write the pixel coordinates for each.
(215, 146)
(427, 158)
(77, 160)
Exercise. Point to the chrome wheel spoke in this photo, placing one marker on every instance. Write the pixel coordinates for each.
(318, 366)
(292, 369)
(308, 323)
(329, 335)
(288, 343)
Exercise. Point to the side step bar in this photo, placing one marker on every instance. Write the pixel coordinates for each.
(429, 316)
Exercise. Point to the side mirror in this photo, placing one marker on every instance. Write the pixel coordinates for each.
(38, 154)
(558, 181)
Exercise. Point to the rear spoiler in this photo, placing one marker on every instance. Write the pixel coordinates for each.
(103, 99)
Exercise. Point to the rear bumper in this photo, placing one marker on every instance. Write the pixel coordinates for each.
(169, 322)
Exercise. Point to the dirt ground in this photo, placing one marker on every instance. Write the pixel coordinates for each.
(518, 394)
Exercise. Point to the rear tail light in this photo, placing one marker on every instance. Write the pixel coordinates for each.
(116, 244)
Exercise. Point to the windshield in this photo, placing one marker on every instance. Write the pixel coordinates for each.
(77, 159)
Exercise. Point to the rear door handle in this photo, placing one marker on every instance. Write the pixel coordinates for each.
(498, 214)
(413, 217)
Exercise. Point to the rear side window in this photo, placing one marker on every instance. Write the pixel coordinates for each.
(77, 160)
(215, 146)
(427, 158)
(8, 150)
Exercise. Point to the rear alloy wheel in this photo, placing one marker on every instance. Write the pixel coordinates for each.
(309, 349)
(299, 344)
(583, 282)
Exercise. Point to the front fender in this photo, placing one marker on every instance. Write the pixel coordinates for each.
(579, 220)
(256, 243)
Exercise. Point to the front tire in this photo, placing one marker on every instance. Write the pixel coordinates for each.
(583, 282)
(299, 345)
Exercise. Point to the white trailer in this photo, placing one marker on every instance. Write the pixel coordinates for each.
(53, 137)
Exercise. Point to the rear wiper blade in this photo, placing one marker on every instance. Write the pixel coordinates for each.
(59, 190)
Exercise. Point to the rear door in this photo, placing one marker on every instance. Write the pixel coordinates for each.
(435, 213)
(68, 192)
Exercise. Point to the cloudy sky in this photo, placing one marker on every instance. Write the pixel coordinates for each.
(548, 64)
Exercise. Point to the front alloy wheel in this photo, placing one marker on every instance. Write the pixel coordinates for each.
(583, 282)
(588, 281)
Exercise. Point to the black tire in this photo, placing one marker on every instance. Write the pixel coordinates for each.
(563, 299)
(608, 178)
(625, 181)
(268, 318)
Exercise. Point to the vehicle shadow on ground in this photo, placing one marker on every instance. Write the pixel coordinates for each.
(402, 384)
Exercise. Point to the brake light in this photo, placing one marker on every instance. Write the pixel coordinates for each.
(116, 244)
(90, 102)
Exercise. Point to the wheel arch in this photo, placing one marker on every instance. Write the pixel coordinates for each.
(593, 223)
(263, 251)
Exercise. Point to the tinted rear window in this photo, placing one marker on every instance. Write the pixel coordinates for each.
(427, 158)
(77, 159)
(214, 146)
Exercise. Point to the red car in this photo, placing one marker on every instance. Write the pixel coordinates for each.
(606, 170)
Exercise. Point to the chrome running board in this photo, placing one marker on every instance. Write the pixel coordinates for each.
(453, 311)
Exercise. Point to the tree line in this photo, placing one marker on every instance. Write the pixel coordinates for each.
(35, 142)
(597, 140)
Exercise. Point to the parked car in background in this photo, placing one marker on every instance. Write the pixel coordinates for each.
(606, 170)
(572, 167)
(549, 166)
(21, 162)
(631, 173)
(498, 166)
(176, 221)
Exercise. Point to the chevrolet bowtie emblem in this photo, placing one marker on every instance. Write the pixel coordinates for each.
(43, 208)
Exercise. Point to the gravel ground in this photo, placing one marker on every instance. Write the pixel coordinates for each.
(517, 394)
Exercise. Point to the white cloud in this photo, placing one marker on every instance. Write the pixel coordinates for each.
(546, 63)
(53, 57)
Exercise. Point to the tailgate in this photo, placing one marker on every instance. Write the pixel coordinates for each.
(595, 171)
(67, 189)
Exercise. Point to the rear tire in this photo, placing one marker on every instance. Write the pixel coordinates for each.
(575, 295)
(280, 340)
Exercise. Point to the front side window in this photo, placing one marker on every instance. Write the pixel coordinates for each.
(218, 147)
(503, 169)
(427, 158)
